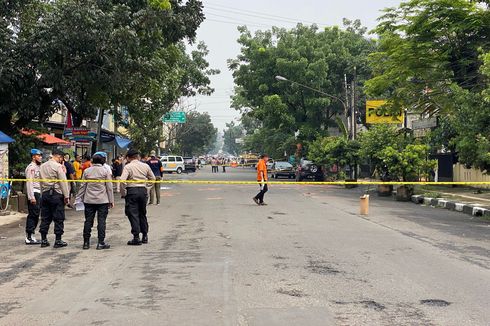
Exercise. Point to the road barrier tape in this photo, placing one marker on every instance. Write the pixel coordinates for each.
(224, 182)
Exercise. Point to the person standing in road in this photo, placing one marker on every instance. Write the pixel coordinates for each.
(157, 168)
(55, 195)
(70, 175)
(262, 179)
(117, 169)
(77, 166)
(33, 174)
(105, 165)
(135, 194)
(214, 165)
(223, 163)
(86, 162)
(98, 198)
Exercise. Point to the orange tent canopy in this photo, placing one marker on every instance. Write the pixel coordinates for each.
(46, 138)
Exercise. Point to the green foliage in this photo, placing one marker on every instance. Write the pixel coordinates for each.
(197, 135)
(91, 54)
(161, 4)
(306, 55)
(427, 48)
(409, 164)
(375, 140)
(433, 58)
(230, 134)
(331, 151)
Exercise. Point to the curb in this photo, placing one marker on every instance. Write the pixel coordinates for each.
(470, 209)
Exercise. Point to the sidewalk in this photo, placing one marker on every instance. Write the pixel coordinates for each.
(462, 199)
(460, 194)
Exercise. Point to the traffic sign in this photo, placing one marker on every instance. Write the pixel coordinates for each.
(175, 117)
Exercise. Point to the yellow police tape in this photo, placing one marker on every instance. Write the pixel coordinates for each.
(224, 182)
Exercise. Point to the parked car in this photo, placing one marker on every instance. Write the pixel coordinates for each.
(282, 169)
(269, 164)
(173, 164)
(309, 170)
(190, 164)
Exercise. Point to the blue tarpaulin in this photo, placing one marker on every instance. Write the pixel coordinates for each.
(5, 139)
(122, 142)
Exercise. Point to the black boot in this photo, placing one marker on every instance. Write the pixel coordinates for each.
(44, 241)
(144, 238)
(59, 244)
(134, 242)
(102, 245)
(86, 243)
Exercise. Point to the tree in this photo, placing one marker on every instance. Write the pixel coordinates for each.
(186, 75)
(375, 140)
(98, 55)
(409, 164)
(230, 135)
(197, 135)
(335, 151)
(427, 49)
(305, 55)
(431, 59)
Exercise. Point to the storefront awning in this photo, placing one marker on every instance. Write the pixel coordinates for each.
(5, 139)
(122, 142)
(46, 138)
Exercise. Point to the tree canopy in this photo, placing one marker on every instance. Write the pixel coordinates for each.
(306, 55)
(433, 59)
(197, 135)
(95, 54)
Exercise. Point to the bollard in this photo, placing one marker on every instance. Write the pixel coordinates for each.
(364, 205)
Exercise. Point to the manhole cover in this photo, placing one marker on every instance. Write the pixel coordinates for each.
(435, 302)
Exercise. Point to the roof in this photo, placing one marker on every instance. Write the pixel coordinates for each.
(46, 138)
(5, 139)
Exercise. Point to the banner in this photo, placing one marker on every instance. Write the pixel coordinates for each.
(80, 134)
(375, 114)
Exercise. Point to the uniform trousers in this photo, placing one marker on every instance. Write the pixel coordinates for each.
(52, 210)
(33, 214)
(135, 209)
(102, 210)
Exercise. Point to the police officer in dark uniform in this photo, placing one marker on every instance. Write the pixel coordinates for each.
(157, 169)
(55, 195)
(136, 195)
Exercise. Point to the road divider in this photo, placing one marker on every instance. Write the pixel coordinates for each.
(231, 182)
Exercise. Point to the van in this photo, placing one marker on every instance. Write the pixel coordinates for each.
(173, 164)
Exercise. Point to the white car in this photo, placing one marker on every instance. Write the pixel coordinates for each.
(173, 164)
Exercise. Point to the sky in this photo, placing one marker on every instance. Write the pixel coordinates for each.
(219, 32)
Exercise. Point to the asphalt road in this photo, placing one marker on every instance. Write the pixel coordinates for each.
(215, 258)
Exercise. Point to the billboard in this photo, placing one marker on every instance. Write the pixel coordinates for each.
(375, 114)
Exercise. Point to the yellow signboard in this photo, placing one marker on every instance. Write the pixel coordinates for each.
(374, 113)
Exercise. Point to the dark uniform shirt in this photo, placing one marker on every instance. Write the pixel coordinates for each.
(156, 166)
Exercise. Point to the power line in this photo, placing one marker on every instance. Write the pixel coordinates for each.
(237, 21)
(236, 24)
(262, 15)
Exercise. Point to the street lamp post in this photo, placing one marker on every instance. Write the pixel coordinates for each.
(345, 105)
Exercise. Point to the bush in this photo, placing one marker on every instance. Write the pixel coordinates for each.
(408, 164)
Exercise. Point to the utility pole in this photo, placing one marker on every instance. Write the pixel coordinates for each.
(349, 127)
(99, 130)
(353, 104)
